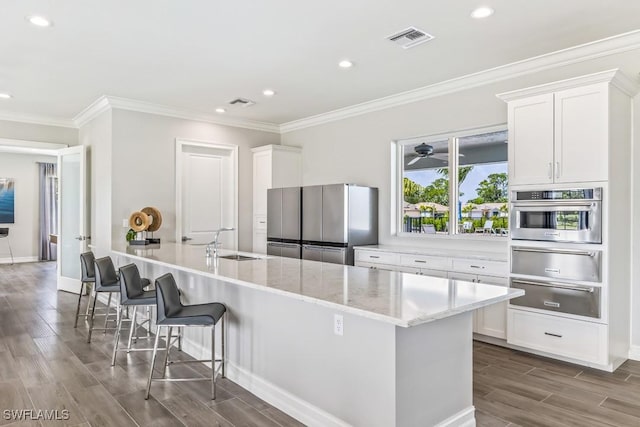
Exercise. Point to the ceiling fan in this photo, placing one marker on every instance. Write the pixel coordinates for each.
(425, 150)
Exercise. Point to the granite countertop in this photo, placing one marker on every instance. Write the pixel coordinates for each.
(486, 256)
(398, 298)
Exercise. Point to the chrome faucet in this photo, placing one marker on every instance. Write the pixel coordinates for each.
(212, 247)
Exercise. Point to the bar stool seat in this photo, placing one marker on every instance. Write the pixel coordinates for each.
(172, 313)
(131, 287)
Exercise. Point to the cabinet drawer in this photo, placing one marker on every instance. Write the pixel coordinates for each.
(375, 266)
(377, 257)
(260, 223)
(421, 261)
(556, 335)
(497, 268)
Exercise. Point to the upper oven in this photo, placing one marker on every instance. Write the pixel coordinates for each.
(573, 216)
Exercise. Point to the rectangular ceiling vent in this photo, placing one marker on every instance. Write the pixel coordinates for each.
(410, 37)
(242, 102)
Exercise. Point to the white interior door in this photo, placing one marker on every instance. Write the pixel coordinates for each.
(208, 194)
(72, 216)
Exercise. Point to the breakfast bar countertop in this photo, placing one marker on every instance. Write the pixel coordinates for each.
(398, 298)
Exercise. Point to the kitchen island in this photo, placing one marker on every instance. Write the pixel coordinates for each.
(335, 345)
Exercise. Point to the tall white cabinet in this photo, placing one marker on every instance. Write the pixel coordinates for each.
(274, 166)
(576, 133)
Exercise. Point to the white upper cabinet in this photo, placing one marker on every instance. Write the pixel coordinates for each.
(530, 124)
(559, 132)
(581, 134)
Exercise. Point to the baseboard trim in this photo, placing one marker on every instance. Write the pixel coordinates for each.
(634, 352)
(20, 259)
(464, 418)
(299, 409)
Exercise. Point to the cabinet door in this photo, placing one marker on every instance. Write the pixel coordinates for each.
(492, 320)
(581, 134)
(531, 140)
(261, 181)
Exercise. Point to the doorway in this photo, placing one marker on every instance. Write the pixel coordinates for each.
(206, 192)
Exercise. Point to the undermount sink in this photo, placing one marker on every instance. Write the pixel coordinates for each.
(238, 257)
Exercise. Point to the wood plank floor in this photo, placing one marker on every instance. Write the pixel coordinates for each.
(46, 364)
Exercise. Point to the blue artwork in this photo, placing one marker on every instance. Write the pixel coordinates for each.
(7, 209)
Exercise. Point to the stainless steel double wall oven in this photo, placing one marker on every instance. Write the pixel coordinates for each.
(557, 275)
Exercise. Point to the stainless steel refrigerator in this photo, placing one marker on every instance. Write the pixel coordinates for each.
(283, 222)
(335, 218)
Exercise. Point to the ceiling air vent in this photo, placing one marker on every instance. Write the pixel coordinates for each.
(410, 37)
(242, 102)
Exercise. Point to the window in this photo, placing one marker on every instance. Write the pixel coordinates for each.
(472, 201)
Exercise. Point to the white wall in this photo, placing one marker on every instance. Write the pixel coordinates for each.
(96, 135)
(24, 234)
(144, 167)
(357, 149)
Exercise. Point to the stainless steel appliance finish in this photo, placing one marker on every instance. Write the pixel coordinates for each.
(336, 217)
(329, 254)
(570, 264)
(283, 221)
(559, 297)
(573, 216)
(289, 250)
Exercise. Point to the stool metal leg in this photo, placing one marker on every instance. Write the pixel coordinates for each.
(93, 315)
(166, 353)
(117, 337)
(153, 362)
(223, 356)
(132, 327)
(75, 325)
(213, 362)
(106, 316)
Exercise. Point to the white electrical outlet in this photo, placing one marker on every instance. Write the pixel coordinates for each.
(125, 223)
(338, 324)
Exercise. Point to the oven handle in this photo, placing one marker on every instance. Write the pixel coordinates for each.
(556, 285)
(555, 206)
(556, 251)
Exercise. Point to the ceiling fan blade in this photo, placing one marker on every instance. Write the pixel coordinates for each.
(443, 156)
(414, 160)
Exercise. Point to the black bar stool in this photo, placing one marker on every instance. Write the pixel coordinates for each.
(106, 280)
(171, 313)
(88, 277)
(132, 293)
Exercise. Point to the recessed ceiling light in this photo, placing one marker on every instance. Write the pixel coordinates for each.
(5, 95)
(39, 21)
(345, 63)
(482, 12)
(268, 92)
(220, 110)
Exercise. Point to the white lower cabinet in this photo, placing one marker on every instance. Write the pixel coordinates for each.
(576, 339)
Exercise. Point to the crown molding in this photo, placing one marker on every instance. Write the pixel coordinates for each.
(36, 120)
(573, 55)
(615, 77)
(105, 103)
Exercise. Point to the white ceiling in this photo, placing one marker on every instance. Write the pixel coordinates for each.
(200, 54)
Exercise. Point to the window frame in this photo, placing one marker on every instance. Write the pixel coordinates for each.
(453, 164)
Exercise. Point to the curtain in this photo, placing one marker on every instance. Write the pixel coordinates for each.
(48, 210)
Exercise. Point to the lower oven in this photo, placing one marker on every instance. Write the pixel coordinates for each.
(558, 297)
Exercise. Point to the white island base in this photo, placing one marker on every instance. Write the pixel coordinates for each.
(395, 364)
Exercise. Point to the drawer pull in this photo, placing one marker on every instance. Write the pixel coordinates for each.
(554, 285)
(556, 251)
(420, 261)
(262, 222)
(552, 270)
(374, 256)
(553, 335)
(476, 266)
(552, 304)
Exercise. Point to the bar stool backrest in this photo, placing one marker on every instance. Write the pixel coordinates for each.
(105, 272)
(86, 266)
(167, 297)
(130, 282)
